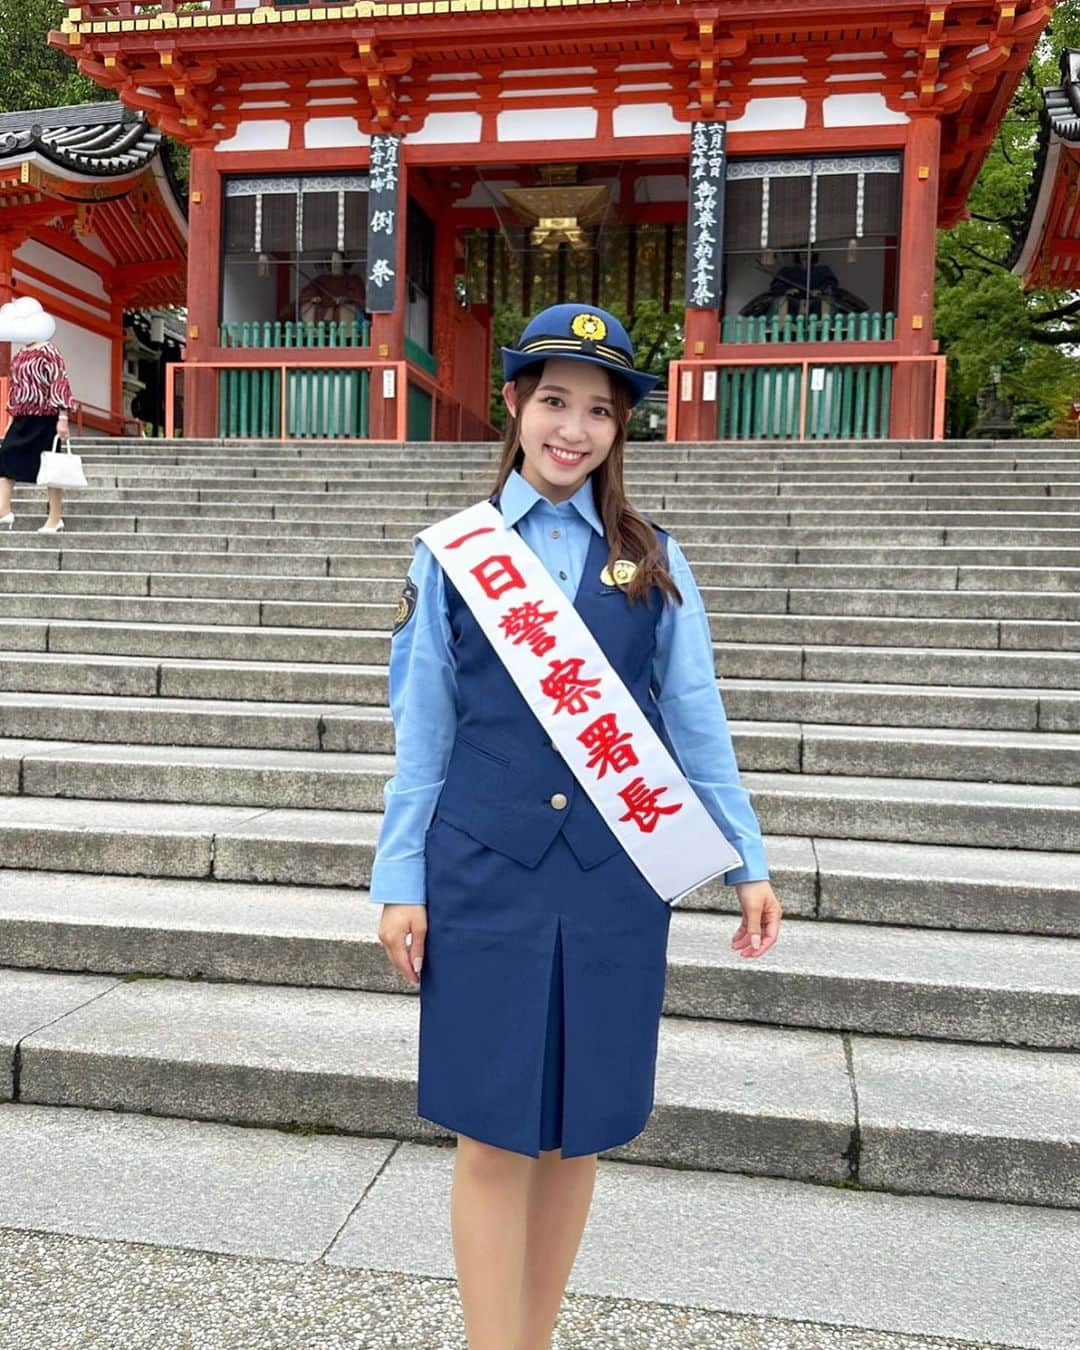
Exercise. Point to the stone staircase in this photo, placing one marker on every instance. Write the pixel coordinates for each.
(194, 739)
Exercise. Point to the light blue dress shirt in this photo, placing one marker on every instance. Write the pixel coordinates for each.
(423, 695)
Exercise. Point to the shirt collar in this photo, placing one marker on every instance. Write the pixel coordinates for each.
(519, 497)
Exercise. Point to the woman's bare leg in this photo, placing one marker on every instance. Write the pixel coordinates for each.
(56, 502)
(560, 1194)
(489, 1204)
(5, 496)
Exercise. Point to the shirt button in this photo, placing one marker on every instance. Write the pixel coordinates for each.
(554, 534)
(562, 575)
(559, 801)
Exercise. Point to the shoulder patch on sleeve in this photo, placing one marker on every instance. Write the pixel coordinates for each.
(406, 605)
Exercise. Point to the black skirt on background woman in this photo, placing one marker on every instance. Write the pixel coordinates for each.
(20, 452)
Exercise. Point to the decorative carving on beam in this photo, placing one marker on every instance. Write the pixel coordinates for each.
(959, 59)
(175, 94)
(708, 49)
(379, 71)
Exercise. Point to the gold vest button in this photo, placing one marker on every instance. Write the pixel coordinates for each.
(559, 801)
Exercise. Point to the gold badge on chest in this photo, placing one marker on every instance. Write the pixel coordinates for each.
(620, 575)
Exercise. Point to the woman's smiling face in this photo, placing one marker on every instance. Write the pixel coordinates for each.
(566, 427)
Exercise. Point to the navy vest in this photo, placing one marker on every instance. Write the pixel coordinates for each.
(503, 769)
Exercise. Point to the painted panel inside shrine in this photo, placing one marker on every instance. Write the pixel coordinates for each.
(380, 190)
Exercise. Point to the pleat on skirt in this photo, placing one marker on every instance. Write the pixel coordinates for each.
(540, 997)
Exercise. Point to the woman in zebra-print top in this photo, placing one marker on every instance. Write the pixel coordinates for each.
(38, 401)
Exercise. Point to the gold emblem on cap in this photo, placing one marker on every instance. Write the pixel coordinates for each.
(590, 326)
(621, 574)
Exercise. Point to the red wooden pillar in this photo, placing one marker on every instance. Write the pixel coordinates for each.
(912, 400)
(7, 249)
(388, 330)
(444, 307)
(204, 291)
(697, 419)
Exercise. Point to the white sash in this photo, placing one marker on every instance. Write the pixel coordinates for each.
(585, 708)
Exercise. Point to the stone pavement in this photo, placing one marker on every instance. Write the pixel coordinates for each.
(194, 1233)
(194, 738)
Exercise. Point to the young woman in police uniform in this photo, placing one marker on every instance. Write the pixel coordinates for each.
(542, 946)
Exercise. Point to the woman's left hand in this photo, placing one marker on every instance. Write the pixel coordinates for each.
(760, 925)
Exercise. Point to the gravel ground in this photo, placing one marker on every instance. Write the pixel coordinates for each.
(58, 1293)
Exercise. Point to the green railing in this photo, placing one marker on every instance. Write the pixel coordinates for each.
(809, 328)
(318, 403)
(289, 334)
(420, 356)
(843, 402)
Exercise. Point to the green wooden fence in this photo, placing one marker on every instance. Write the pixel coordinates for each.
(319, 403)
(843, 402)
(869, 327)
(266, 334)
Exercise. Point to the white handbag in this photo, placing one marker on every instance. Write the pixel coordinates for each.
(61, 468)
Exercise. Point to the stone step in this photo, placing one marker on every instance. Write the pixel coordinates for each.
(936, 1117)
(899, 705)
(997, 889)
(335, 758)
(208, 585)
(924, 811)
(1041, 513)
(745, 573)
(370, 603)
(672, 511)
(832, 806)
(332, 516)
(773, 700)
(654, 493)
(704, 554)
(230, 471)
(71, 674)
(1055, 670)
(382, 579)
(201, 775)
(887, 631)
(875, 546)
(885, 665)
(992, 988)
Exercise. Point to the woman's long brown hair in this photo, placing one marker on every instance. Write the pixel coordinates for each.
(629, 534)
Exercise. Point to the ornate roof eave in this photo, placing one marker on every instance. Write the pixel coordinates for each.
(1059, 126)
(88, 140)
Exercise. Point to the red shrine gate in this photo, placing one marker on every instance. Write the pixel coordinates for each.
(375, 185)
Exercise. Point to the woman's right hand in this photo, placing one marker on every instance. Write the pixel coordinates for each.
(396, 923)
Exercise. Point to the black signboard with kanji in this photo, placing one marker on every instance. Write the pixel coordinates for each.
(705, 222)
(384, 220)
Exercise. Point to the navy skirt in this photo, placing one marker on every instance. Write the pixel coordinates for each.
(22, 446)
(540, 997)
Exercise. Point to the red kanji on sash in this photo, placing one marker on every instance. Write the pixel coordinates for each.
(525, 623)
(488, 529)
(565, 685)
(610, 747)
(497, 575)
(642, 800)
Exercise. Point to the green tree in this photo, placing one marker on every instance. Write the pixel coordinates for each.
(33, 74)
(986, 324)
